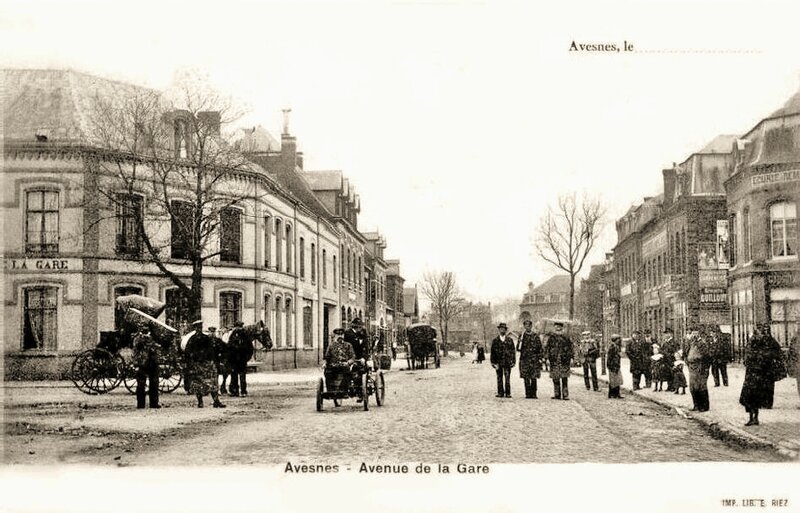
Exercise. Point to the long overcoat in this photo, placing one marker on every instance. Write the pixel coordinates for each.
(530, 355)
(613, 366)
(201, 356)
(559, 353)
(698, 360)
(502, 352)
(763, 364)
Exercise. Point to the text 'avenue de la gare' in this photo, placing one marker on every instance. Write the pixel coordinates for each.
(400, 468)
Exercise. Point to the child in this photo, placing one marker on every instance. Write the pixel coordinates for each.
(678, 378)
(657, 369)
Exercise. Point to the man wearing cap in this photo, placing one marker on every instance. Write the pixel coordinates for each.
(145, 357)
(589, 354)
(241, 350)
(669, 346)
(559, 353)
(530, 359)
(338, 358)
(503, 357)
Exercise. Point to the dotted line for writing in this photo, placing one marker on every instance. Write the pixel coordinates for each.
(701, 51)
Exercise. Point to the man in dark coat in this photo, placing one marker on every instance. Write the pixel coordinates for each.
(613, 366)
(669, 346)
(241, 350)
(646, 363)
(503, 356)
(721, 356)
(358, 339)
(589, 354)
(530, 359)
(559, 353)
(639, 353)
(146, 352)
(763, 365)
(222, 359)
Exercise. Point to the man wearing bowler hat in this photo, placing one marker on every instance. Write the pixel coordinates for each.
(503, 356)
(559, 352)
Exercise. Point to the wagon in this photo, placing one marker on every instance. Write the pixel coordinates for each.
(109, 364)
(422, 344)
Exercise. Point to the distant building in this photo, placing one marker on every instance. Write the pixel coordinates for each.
(411, 305)
(395, 315)
(550, 300)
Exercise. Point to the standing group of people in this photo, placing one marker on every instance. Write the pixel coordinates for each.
(557, 350)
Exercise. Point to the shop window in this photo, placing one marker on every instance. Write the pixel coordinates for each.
(129, 214)
(230, 309)
(230, 236)
(181, 218)
(41, 222)
(124, 291)
(784, 316)
(40, 318)
(783, 229)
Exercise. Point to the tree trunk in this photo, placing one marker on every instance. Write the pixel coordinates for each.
(195, 298)
(444, 339)
(571, 296)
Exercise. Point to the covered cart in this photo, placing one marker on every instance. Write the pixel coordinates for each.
(103, 368)
(422, 344)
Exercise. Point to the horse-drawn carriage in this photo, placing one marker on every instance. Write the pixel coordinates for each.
(422, 344)
(354, 383)
(103, 368)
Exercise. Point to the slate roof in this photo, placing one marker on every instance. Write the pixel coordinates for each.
(557, 283)
(57, 103)
(792, 106)
(324, 180)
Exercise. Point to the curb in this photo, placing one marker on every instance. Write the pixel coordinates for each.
(723, 430)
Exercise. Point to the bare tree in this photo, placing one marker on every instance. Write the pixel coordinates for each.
(446, 300)
(567, 234)
(165, 173)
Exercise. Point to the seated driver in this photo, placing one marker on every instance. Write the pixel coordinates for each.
(338, 359)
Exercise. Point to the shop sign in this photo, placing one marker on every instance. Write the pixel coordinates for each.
(713, 279)
(792, 175)
(42, 264)
(714, 295)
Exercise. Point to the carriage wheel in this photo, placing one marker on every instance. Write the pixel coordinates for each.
(320, 388)
(129, 378)
(97, 371)
(81, 371)
(170, 375)
(380, 390)
(365, 392)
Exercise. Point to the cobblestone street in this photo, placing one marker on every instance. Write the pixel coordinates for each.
(435, 415)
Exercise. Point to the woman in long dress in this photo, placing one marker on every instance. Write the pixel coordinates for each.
(613, 366)
(763, 362)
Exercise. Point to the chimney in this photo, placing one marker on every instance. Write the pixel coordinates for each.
(290, 158)
(669, 186)
(210, 120)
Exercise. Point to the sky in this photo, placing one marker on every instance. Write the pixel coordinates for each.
(457, 122)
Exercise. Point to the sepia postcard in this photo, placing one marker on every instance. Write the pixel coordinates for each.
(403, 256)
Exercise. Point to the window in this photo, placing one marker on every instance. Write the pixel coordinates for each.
(268, 312)
(278, 252)
(129, 213)
(784, 315)
(278, 322)
(334, 272)
(177, 310)
(40, 329)
(181, 216)
(746, 254)
(124, 291)
(41, 222)
(325, 268)
(267, 241)
(308, 324)
(732, 242)
(313, 263)
(230, 235)
(302, 257)
(783, 228)
(289, 323)
(289, 248)
(230, 309)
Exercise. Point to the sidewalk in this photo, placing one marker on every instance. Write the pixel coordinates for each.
(779, 428)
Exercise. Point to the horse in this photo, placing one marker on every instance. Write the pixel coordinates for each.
(239, 349)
